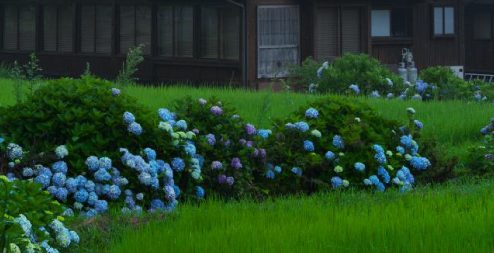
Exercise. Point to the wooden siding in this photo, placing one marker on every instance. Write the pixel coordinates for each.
(479, 52)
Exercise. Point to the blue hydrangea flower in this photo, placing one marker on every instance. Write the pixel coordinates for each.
(383, 173)
(420, 163)
(400, 150)
(128, 118)
(105, 163)
(330, 156)
(60, 166)
(181, 124)
(43, 180)
(302, 126)
(359, 166)
(308, 146)
(311, 113)
(59, 179)
(216, 165)
(270, 174)
(157, 204)
(71, 185)
(74, 237)
(178, 164)
(354, 88)
(14, 151)
(92, 198)
(102, 176)
(277, 169)
(61, 152)
(61, 194)
(418, 124)
(27, 172)
(190, 149)
(264, 133)
(114, 192)
(92, 163)
(166, 115)
(101, 206)
(145, 178)
(115, 92)
(375, 94)
(297, 171)
(135, 128)
(200, 192)
(338, 142)
(336, 182)
(421, 86)
(236, 163)
(81, 196)
(211, 139)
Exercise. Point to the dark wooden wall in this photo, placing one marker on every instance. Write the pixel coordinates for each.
(154, 68)
(479, 53)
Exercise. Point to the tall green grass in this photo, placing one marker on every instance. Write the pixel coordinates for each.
(443, 219)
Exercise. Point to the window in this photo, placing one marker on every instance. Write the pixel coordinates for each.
(96, 29)
(391, 23)
(444, 21)
(135, 28)
(278, 40)
(19, 28)
(220, 33)
(176, 31)
(483, 25)
(337, 31)
(58, 28)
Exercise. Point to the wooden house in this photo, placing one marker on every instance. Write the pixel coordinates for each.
(242, 41)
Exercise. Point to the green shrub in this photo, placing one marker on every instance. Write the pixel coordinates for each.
(445, 85)
(301, 76)
(220, 139)
(313, 154)
(83, 115)
(358, 69)
(23, 203)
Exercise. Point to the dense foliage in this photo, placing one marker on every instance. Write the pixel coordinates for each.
(340, 143)
(481, 158)
(83, 114)
(228, 144)
(30, 219)
(359, 70)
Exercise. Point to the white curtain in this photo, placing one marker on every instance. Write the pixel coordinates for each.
(278, 40)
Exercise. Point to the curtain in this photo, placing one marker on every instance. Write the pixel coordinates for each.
(278, 35)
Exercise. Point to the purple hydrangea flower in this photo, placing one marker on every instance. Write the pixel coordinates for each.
(216, 110)
(216, 165)
(250, 129)
(236, 163)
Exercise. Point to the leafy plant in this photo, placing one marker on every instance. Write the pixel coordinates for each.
(30, 216)
(358, 69)
(228, 144)
(82, 114)
(338, 142)
(130, 66)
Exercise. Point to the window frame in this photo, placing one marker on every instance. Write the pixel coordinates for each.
(220, 38)
(57, 40)
(491, 14)
(444, 35)
(391, 32)
(18, 7)
(95, 52)
(174, 48)
(118, 31)
(259, 48)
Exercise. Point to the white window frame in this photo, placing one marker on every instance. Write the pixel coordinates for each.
(388, 25)
(442, 32)
(259, 47)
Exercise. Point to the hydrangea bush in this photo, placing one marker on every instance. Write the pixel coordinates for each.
(229, 145)
(481, 157)
(31, 220)
(86, 116)
(339, 143)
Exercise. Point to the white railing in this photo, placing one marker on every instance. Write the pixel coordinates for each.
(482, 77)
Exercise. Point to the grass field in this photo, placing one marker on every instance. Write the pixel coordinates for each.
(448, 218)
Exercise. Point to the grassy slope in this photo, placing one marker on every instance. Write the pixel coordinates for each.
(444, 219)
(447, 219)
